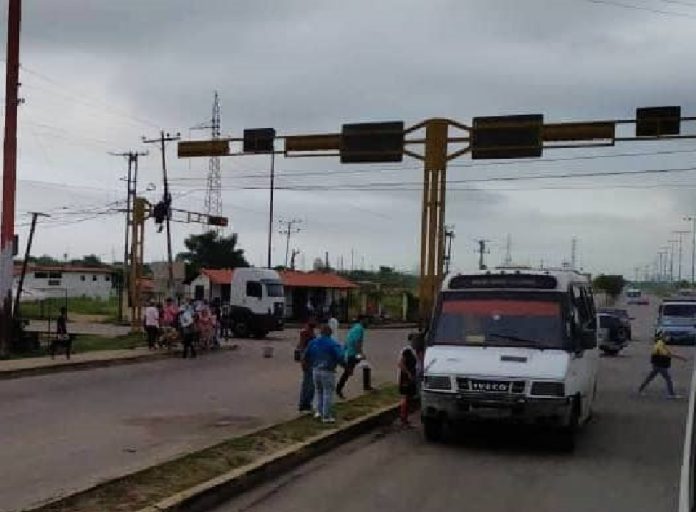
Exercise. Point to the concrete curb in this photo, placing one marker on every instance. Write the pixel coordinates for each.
(214, 492)
(88, 365)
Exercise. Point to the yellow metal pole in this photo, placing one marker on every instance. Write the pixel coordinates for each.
(433, 214)
(136, 262)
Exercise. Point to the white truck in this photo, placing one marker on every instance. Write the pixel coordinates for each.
(257, 302)
(518, 346)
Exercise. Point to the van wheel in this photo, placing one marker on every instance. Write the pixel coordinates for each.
(568, 434)
(433, 427)
(241, 329)
(260, 334)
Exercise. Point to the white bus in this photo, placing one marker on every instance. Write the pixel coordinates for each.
(512, 345)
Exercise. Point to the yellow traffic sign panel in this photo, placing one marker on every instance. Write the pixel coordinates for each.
(195, 148)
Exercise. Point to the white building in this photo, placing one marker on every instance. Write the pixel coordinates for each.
(68, 281)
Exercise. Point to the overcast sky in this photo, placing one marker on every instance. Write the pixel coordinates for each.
(97, 75)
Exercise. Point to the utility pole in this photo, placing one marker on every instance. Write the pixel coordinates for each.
(692, 219)
(27, 253)
(167, 200)
(481, 251)
(270, 209)
(672, 244)
(679, 234)
(294, 254)
(664, 251)
(449, 235)
(131, 192)
(573, 252)
(9, 172)
(508, 251)
(287, 231)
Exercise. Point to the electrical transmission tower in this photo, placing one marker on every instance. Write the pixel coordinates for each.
(508, 251)
(212, 204)
(482, 251)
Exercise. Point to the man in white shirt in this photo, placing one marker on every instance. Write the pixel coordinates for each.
(152, 324)
(187, 330)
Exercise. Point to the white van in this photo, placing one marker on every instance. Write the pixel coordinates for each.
(257, 302)
(516, 345)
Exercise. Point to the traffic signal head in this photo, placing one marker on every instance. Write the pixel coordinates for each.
(372, 142)
(507, 137)
(656, 121)
(259, 140)
(217, 221)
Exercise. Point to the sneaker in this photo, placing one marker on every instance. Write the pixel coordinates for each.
(305, 410)
(328, 420)
(317, 415)
(674, 397)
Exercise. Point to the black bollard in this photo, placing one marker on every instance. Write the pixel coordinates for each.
(367, 377)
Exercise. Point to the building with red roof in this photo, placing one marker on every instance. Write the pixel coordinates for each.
(305, 292)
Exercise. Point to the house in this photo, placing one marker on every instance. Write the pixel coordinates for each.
(67, 280)
(304, 291)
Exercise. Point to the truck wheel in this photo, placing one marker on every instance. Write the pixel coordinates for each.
(241, 329)
(433, 427)
(569, 432)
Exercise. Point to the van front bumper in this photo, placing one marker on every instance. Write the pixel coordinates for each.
(465, 405)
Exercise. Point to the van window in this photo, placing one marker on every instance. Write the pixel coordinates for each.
(253, 289)
(273, 288)
(682, 310)
(497, 318)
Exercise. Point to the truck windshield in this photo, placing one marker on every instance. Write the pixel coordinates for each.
(273, 288)
(681, 310)
(500, 319)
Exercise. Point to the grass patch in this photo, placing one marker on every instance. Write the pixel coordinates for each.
(89, 343)
(146, 487)
(50, 308)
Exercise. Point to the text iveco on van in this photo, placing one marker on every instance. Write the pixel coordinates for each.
(514, 346)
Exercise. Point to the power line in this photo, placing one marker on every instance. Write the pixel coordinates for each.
(642, 8)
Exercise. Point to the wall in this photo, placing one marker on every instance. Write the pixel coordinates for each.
(71, 284)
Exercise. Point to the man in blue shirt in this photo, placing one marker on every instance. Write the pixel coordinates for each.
(323, 355)
(353, 352)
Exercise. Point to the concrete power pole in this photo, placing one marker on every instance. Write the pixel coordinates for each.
(482, 250)
(288, 231)
(508, 251)
(680, 234)
(9, 172)
(692, 219)
(573, 252)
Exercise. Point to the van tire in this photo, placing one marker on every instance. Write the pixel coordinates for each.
(260, 334)
(567, 434)
(433, 428)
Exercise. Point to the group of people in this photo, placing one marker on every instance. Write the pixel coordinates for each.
(322, 354)
(193, 324)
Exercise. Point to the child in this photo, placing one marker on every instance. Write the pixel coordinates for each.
(408, 381)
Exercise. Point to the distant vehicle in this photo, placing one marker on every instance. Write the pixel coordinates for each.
(635, 296)
(257, 302)
(517, 346)
(677, 321)
(624, 318)
(613, 336)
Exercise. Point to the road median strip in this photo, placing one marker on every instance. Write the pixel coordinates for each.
(203, 479)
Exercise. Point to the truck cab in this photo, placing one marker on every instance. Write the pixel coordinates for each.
(516, 346)
(257, 302)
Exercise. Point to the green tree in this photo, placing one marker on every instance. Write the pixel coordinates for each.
(211, 250)
(612, 285)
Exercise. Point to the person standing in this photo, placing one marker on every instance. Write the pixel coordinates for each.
(307, 334)
(661, 360)
(323, 355)
(333, 323)
(151, 324)
(62, 336)
(353, 352)
(188, 331)
(408, 381)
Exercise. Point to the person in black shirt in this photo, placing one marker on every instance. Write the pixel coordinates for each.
(62, 336)
(408, 381)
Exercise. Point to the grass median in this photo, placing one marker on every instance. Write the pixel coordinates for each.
(88, 343)
(148, 486)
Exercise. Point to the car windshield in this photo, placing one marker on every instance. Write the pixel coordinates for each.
(500, 319)
(273, 288)
(679, 310)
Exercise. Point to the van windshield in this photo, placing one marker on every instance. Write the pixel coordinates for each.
(500, 319)
(680, 310)
(273, 288)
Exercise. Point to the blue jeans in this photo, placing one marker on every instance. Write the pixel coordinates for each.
(307, 390)
(324, 384)
(665, 375)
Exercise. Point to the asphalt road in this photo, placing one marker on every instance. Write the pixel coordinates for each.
(64, 432)
(627, 459)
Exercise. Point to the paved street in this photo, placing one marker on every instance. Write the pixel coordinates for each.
(64, 432)
(627, 459)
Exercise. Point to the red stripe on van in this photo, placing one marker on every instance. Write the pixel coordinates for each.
(502, 307)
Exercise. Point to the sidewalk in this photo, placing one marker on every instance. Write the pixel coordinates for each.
(14, 368)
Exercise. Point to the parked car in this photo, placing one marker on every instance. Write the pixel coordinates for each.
(613, 335)
(676, 320)
(634, 296)
(623, 317)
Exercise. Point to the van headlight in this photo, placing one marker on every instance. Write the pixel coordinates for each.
(437, 382)
(548, 388)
